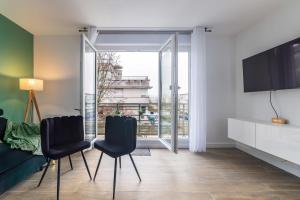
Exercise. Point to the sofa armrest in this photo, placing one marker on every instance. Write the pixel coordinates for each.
(3, 122)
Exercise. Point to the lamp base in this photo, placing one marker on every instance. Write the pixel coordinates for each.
(279, 120)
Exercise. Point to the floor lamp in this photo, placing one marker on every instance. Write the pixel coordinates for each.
(31, 85)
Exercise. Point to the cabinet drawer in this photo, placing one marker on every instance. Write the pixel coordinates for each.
(280, 141)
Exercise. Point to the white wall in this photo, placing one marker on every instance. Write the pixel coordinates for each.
(57, 62)
(220, 88)
(280, 27)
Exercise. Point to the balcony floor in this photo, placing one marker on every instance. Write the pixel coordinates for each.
(215, 175)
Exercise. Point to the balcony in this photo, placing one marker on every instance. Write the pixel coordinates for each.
(147, 123)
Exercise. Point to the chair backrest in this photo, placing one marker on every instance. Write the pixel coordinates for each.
(60, 131)
(121, 131)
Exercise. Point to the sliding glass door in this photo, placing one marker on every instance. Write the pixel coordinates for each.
(88, 88)
(168, 95)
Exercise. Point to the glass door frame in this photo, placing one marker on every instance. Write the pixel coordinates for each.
(85, 40)
(174, 93)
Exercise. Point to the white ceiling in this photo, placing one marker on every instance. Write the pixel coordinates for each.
(53, 17)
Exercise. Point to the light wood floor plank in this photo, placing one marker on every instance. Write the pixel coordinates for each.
(219, 174)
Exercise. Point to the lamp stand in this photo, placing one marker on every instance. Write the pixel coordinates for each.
(32, 102)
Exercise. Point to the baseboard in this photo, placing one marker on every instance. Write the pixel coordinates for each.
(285, 165)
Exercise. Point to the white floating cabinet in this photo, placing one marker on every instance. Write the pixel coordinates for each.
(242, 131)
(282, 141)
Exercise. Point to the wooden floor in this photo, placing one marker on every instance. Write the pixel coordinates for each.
(217, 174)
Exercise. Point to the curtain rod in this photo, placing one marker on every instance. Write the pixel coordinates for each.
(122, 30)
(101, 31)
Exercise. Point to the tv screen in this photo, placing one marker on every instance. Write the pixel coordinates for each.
(285, 67)
(256, 71)
(274, 69)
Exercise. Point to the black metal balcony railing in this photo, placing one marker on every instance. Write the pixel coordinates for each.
(147, 123)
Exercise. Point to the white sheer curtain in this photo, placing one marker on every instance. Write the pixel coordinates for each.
(197, 127)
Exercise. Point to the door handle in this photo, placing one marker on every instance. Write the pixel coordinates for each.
(178, 87)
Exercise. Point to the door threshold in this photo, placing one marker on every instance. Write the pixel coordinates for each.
(154, 143)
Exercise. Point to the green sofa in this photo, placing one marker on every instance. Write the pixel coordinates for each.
(15, 165)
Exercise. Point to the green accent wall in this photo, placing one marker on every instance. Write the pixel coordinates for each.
(16, 61)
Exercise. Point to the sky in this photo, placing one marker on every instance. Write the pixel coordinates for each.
(146, 64)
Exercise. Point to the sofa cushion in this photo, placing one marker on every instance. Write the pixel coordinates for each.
(16, 166)
(11, 158)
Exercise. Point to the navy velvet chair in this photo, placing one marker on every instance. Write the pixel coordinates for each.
(60, 137)
(120, 140)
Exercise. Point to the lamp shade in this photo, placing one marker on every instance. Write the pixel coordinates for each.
(31, 84)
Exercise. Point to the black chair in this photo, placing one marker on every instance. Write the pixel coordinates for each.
(60, 137)
(120, 139)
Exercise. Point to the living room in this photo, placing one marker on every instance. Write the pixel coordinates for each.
(243, 90)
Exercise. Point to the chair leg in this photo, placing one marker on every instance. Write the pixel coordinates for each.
(115, 174)
(44, 172)
(98, 166)
(71, 164)
(120, 162)
(135, 167)
(87, 168)
(58, 180)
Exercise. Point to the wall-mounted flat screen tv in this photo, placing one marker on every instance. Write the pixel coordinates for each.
(275, 69)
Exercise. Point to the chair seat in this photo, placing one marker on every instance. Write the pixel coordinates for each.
(110, 149)
(57, 152)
